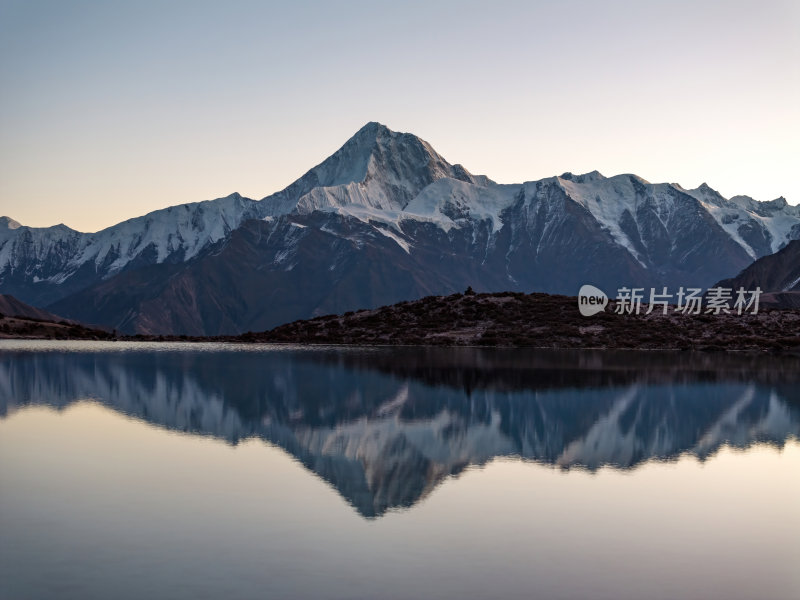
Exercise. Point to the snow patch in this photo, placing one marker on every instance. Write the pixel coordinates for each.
(391, 235)
(607, 199)
(791, 285)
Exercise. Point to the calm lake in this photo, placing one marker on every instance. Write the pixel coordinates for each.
(227, 471)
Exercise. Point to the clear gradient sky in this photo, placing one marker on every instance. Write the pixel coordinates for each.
(111, 109)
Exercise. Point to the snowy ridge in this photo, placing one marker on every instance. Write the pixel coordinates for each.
(608, 199)
(614, 200)
(775, 220)
(41, 253)
(715, 204)
(185, 229)
(177, 233)
(448, 202)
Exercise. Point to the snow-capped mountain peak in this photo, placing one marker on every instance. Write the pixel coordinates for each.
(377, 168)
(8, 223)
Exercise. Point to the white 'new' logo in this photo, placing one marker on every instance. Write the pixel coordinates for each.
(591, 300)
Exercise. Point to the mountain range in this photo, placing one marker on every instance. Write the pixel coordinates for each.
(384, 219)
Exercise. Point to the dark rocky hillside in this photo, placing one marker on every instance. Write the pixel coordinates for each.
(20, 320)
(9, 305)
(17, 327)
(539, 320)
(778, 275)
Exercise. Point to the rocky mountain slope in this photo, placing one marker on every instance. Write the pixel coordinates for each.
(385, 219)
(778, 275)
(23, 321)
(12, 307)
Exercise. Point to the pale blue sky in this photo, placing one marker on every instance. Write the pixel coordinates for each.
(112, 109)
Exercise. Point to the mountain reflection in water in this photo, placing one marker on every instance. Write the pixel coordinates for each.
(385, 426)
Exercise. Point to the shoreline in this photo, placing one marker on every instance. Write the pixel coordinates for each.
(496, 320)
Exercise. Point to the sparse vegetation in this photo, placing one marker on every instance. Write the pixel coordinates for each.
(35, 328)
(515, 319)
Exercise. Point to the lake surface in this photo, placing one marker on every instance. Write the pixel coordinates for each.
(221, 471)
